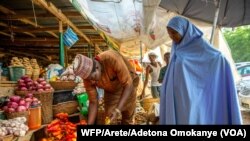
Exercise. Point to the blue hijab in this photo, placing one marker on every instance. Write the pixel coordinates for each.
(198, 87)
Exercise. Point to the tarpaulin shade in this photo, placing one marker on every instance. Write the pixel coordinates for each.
(232, 13)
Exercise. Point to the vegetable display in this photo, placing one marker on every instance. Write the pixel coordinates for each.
(61, 129)
(15, 126)
(18, 104)
(27, 84)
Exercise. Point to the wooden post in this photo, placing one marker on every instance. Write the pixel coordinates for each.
(95, 52)
(89, 51)
(61, 55)
(217, 4)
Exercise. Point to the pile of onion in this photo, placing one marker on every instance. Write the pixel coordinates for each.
(18, 104)
(27, 84)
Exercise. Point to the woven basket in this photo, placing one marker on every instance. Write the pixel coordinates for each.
(7, 138)
(46, 99)
(147, 103)
(69, 107)
(23, 93)
(63, 85)
(18, 114)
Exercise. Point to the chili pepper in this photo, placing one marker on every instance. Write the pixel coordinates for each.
(54, 128)
(54, 122)
(59, 136)
(56, 133)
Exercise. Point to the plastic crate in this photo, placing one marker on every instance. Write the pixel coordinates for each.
(16, 73)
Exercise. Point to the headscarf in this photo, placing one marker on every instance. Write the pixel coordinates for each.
(186, 29)
(198, 87)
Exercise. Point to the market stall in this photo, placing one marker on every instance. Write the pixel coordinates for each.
(35, 51)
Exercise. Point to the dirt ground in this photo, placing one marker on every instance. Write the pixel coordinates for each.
(245, 113)
(246, 117)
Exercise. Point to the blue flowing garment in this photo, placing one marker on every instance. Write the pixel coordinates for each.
(198, 87)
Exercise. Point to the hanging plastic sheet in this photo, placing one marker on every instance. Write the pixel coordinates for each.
(69, 37)
(123, 20)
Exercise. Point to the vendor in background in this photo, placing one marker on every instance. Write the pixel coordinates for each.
(163, 69)
(153, 69)
(113, 73)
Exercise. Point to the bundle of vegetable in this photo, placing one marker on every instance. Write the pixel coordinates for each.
(16, 62)
(27, 66)
(35, 66)
(13, 126)
(27, 84)
(61, 129)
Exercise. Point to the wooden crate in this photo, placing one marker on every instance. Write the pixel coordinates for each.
(7, 88)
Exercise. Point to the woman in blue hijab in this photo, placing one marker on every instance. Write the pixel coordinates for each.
(198, 87)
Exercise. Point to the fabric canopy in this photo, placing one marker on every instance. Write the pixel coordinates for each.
(232, 13)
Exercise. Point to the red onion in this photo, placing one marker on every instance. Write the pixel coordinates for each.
(34, 99)
(27, 80)
(47, 86)
(30, 83)
(5, 108)
(34, 103)
(22, 102)
(23, 89)
(29, 95)
(40, 90)
(21, 108)
(11, 110)
(40, 80)
(21, 84)
(13, 105)
(43, 83)
(20, 81)
(46, 89)
(24, 77)
(28, 99)
(39, 86)
(30, 88)
(15, 98)
(27, 105)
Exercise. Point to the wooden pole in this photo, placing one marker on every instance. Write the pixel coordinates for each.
(217, 4)
(62, 54)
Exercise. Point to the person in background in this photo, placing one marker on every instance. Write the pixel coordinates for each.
(154, 70)
(115, 75)
(163, 69)
(198, 87)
